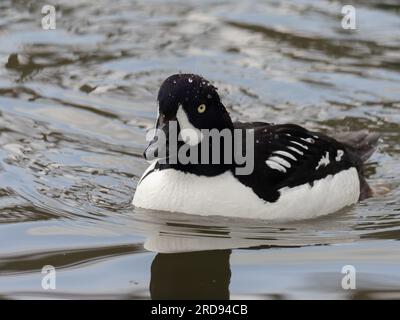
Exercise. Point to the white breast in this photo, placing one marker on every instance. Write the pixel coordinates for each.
(172, 190)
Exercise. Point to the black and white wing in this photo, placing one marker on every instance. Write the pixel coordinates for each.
(289, 155)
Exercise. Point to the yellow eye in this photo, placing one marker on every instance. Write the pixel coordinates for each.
(201, 108)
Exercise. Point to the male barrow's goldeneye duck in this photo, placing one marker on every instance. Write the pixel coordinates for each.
(296, 174)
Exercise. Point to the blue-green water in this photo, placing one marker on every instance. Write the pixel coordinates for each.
(75, 104)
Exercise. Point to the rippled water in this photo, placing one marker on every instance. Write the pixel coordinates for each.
(75, 104)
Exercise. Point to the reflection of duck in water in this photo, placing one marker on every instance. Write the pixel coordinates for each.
(193, 253)
(191, 263)
(191, 275)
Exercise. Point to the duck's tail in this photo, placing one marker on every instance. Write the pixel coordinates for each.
(364, 144)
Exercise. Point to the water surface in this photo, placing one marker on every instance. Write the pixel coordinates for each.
(75, 104)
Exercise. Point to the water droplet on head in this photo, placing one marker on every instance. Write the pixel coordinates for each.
(174, 81)
(209, 96)
(190, 80)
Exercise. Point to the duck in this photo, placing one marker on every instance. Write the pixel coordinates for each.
(295, 173)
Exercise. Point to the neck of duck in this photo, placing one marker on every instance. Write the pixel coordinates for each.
(210, 157)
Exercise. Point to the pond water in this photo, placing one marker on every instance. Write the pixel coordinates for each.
(75, 104)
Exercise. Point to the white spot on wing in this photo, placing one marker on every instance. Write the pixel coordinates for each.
(339, 155)
(295, 150)
(275, 165)
(281, 161)
(286, 154)
(299, 144)
(309, 140)
(324, 161)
